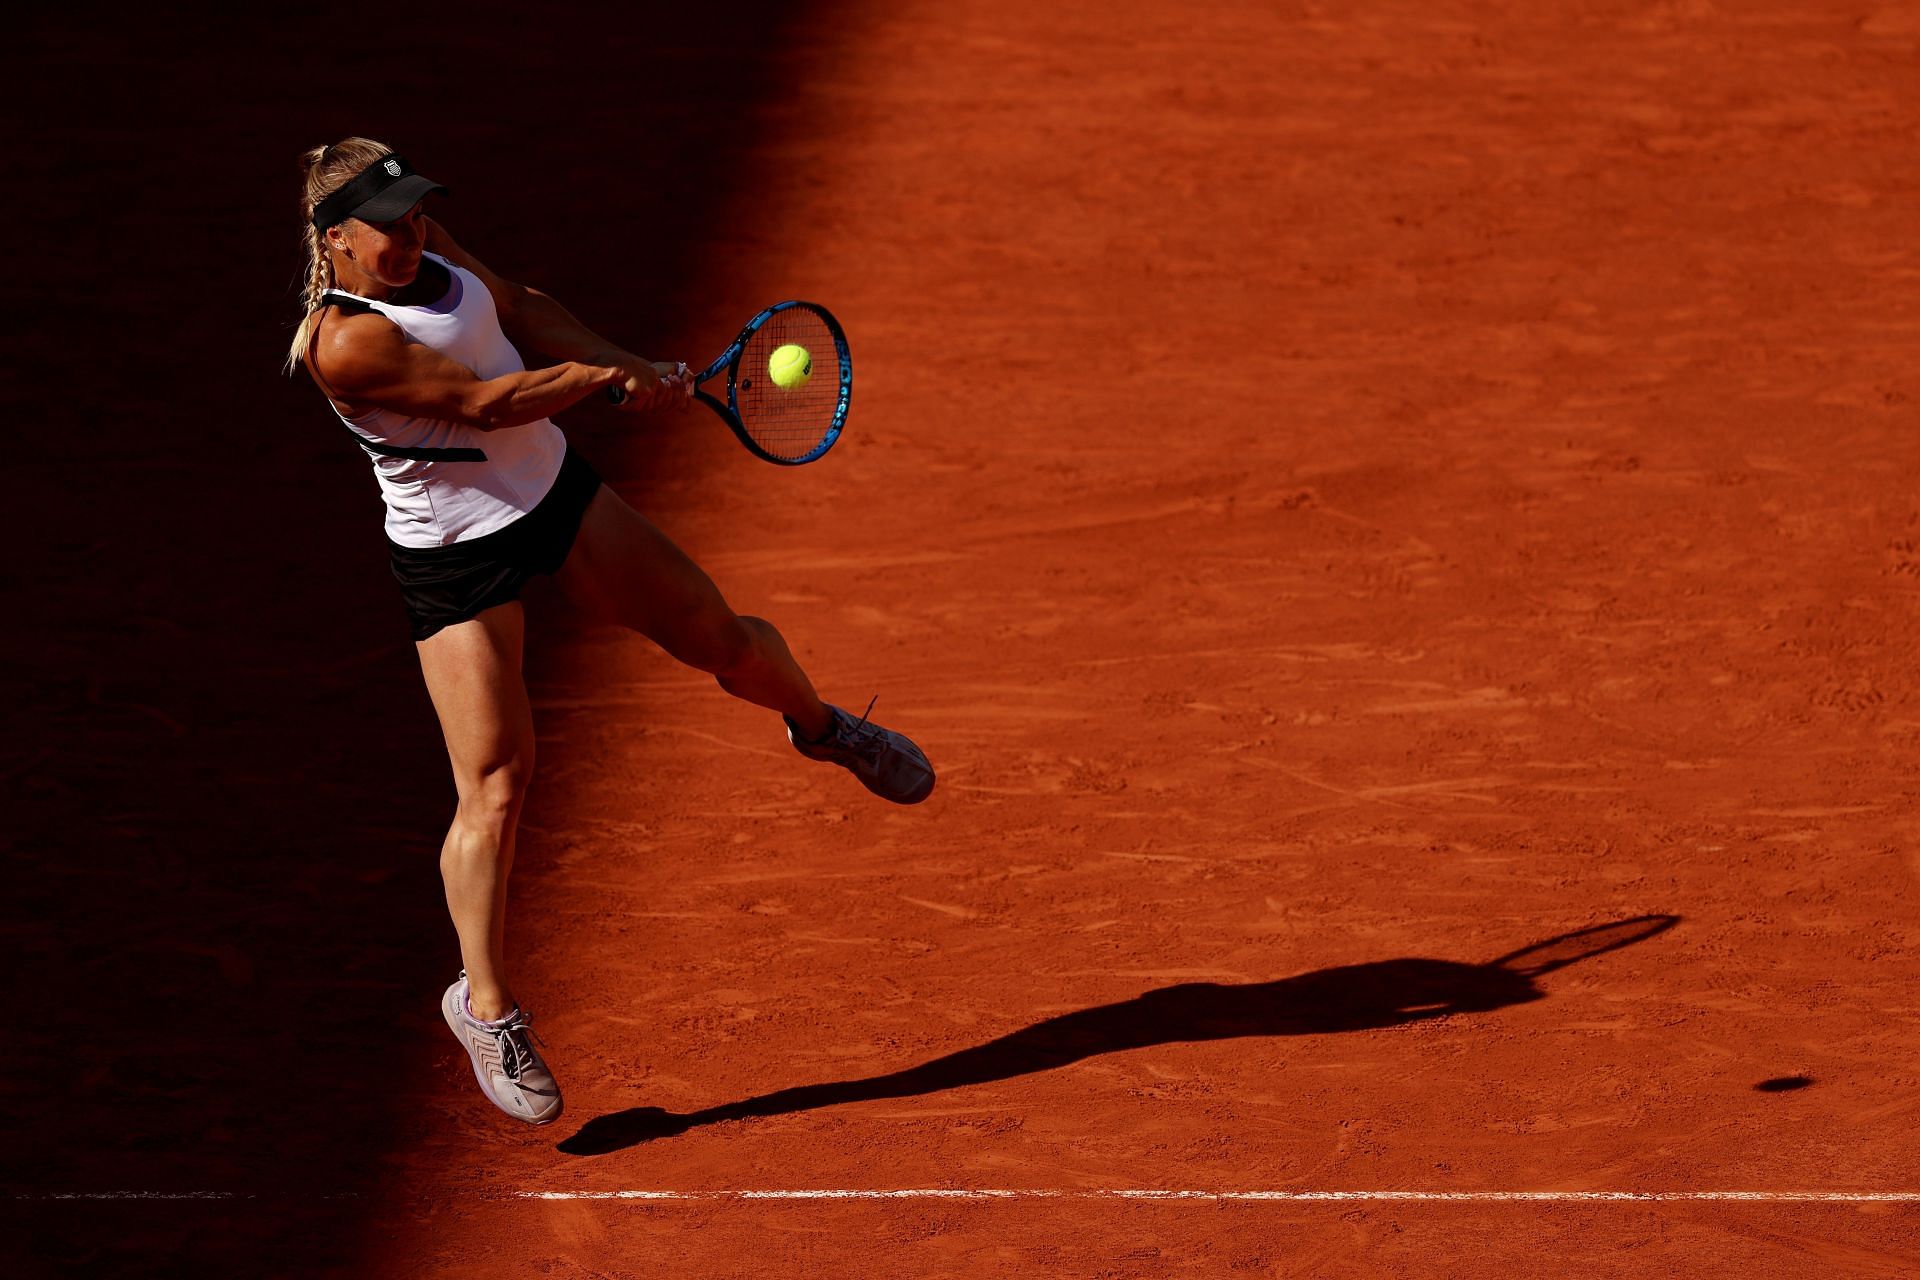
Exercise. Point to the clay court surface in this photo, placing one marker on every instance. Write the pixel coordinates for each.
(1345, 494)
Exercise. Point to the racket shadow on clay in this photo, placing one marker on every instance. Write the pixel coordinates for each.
(1355, 997)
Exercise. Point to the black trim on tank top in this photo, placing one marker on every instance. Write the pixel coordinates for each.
(348, 304)
(353, 306)
(419, 455)
(432, 278)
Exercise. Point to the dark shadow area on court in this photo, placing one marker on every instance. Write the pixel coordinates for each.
(1358, 997)
(224, 786)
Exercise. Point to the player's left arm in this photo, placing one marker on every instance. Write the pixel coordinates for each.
(534, 321)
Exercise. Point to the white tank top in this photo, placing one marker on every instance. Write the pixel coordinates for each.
(432, 501)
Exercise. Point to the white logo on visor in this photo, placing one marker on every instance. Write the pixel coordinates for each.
(392, 167)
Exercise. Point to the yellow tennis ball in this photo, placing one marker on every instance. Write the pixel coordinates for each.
(790, 366)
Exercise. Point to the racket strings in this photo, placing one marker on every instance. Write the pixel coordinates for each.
(788, 422)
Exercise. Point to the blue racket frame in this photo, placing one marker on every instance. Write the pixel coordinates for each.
(729, 363)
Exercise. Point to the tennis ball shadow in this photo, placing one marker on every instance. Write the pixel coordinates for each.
(1783, 1084)
(1356, 997)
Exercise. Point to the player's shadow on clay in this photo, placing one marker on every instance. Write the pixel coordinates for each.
(1354, 997)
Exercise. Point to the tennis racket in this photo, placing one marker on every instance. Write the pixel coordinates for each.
(785, 425)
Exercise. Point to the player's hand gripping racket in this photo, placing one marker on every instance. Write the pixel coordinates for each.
(789, 382)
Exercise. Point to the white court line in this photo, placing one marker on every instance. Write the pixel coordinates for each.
(1443, 1197)
(1044, 1193)
(136, 1195)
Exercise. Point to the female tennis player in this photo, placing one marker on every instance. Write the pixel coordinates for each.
(417, 345)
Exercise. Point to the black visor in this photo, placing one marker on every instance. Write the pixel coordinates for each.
(380, 192)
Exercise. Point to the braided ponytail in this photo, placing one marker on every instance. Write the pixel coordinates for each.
(326, 170)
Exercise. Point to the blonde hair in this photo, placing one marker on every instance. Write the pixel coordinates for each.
(327, 169)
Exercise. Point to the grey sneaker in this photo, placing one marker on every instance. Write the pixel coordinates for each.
(887, 763)
(508, 1067)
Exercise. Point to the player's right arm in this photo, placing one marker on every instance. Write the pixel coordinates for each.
(365, 362)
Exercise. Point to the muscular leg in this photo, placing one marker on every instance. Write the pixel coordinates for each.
(473, 676)
(624, 570)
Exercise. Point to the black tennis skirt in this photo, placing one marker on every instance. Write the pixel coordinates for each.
(453, 583)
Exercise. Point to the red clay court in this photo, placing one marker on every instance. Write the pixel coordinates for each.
(1397, 523)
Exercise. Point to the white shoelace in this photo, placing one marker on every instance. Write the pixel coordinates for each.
(515, 1051)
(862, 736)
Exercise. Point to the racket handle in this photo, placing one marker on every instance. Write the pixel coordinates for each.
(617, 394)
